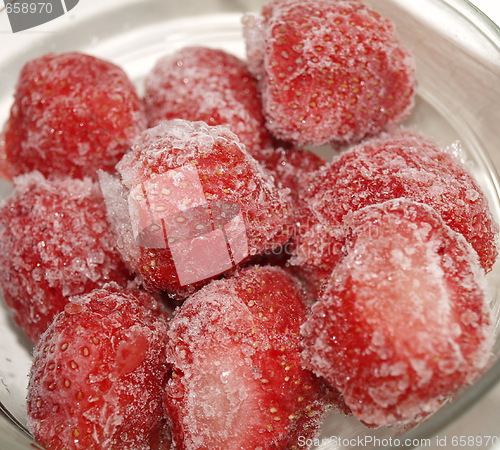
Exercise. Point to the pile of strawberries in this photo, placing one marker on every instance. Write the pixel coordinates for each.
(193, 275)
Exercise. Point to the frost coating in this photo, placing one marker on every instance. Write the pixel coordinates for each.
(397, 165)
(209, 85)
(171, 210)
(99, 372)
(198, 204)
(329, 71)
(55, 242)
(73, 115)
(404, 320)
(237, 380)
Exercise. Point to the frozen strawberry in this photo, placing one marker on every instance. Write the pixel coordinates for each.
(72, 114)
(4, 165)
(209, 85)
(330, 71)
(402, 164)
(237, 380)
(291, 167)
(55, 242)
(99, 373)
(192, 204)
(404, 321)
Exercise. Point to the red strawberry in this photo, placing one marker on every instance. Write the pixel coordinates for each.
(196, 204)
(237, 377)
(98, 374)
(403, 164)
(4, 165)
(73, 114)
(291, 168)
(404, 321)
(329, 70)
(55, 242)
(209, 85)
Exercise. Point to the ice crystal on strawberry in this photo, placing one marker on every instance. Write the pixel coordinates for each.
(55, 242)
(198, 205)
(291, 167)
(330, 71)
(73, 114)
(404, 321)
(237, 378)
(99, 372)
(402, 164)
(209, 85)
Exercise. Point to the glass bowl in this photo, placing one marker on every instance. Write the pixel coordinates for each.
(458, 66)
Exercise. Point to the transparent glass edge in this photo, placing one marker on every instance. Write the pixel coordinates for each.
(478, 18)
(14, 435)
